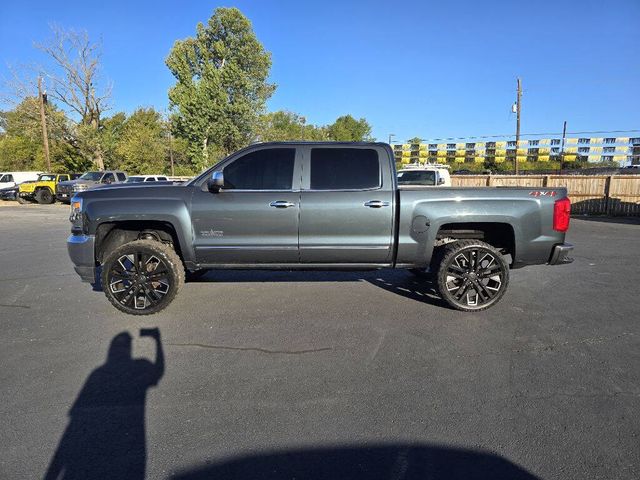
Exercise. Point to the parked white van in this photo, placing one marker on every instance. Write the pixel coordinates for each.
(11, 179)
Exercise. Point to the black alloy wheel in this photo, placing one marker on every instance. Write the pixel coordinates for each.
(142, 277)
(472, 275)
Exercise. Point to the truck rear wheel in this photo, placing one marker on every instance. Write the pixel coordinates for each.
(142, 277)
(44, 196)
(472, 275)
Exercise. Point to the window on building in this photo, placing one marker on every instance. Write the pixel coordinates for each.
(534, 143)
(583, 149)
(268, 169)
(555, 150)
(609, 140)
(344, 169)
(511, 143)
(607, 158)
(555, 141)
(451, 146)
(470, 146)
(433, 146)
(608, 149)
(634, 141)
(584, 140)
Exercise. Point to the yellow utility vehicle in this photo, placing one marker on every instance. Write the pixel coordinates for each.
(42, 190)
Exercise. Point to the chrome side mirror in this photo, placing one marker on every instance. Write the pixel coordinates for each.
(216, 182)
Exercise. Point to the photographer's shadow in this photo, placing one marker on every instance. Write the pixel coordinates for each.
(105, 437)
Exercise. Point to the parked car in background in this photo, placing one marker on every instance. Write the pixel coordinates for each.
(65, 190)
(9, 193)
(147, 178)
(43, 190)
(432, 175)
(11, 179)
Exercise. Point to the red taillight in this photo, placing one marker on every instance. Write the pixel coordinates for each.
(561, 214)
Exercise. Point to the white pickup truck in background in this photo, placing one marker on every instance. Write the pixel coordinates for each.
(432, 175)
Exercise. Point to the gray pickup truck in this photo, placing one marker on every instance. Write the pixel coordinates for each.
(312, 206)
(65, 190)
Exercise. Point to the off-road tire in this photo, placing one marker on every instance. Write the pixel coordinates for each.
(488, 282)
(45, 197)
(153, 249)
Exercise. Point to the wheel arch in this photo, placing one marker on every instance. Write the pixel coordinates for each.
(110, 235)
(499, 234)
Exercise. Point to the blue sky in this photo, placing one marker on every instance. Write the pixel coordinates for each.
(427, 69)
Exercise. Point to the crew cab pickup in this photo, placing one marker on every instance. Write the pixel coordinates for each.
(312, 206)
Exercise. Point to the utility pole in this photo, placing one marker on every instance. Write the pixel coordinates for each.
(518, 109)
(171, 151)
(390, 136)
(564, 134)
(43, 120)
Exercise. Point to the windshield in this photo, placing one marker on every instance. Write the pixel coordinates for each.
(135, 179)
(417, 177)
(93, 176)
(46, 178)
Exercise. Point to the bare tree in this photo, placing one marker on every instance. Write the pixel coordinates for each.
(74, 79)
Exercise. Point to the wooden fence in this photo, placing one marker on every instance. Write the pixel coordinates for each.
(590, 194)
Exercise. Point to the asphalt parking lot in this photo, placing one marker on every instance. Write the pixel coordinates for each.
(321, 374)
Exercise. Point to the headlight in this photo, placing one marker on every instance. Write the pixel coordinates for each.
(76, 212)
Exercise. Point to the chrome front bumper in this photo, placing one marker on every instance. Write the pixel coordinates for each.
(560, 254)
(81, 252)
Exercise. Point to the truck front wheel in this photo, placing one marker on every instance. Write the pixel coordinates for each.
(472, 275)
(142, 277)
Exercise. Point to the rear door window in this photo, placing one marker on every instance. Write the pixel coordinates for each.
(121, 176)
(150, 179)
(344, 169)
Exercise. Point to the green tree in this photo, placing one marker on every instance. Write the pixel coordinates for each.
(142, 143)
(221, 85)
(283, 126)
(348, 129)
(110, 134)
(21, 141)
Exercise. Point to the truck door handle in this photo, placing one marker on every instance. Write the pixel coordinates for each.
(282, 204)
(376, 204)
